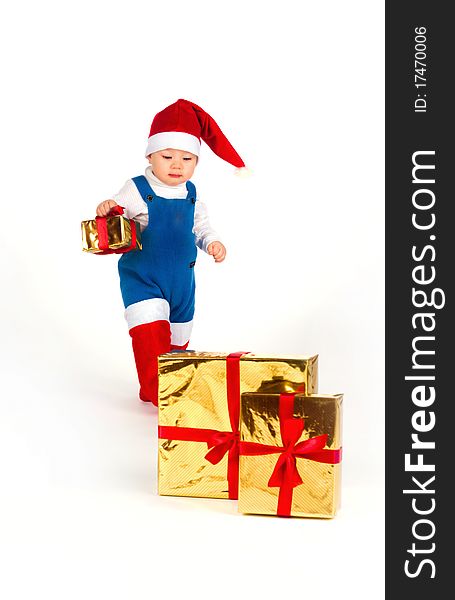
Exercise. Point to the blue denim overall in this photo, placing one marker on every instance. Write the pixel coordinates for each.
(164, 268)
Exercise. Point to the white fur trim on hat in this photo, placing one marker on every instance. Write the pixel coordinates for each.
(173, 139)
(243, 172)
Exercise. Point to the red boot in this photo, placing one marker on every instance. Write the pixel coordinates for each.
(150, 340)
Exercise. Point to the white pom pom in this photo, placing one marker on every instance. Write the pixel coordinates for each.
(243, 172)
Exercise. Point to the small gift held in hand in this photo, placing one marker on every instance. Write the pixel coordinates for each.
(199, 414)
(290, 454)
(113, 234)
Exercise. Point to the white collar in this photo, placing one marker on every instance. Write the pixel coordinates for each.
(153, 180)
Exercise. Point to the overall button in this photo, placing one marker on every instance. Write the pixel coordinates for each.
(192, 264)
(149, 197)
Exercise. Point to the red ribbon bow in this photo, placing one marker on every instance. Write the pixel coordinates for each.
(285, 475)
(103, 238)
(219, 443)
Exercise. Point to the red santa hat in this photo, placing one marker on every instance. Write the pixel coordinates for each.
(182, 125)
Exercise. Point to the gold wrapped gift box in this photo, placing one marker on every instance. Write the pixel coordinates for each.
(119, 234)
(316, 492)
(198, 415)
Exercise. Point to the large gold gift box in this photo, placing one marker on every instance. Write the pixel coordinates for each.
(290, 454)
(198, 415)
(118, 232)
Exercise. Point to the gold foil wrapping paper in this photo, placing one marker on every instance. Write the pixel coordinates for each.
(319, 494)
(118, 231)
(192, 389)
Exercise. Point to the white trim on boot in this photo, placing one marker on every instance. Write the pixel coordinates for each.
(147, 311)
(181, 333)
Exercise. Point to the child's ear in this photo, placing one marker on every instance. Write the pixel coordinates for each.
(149, 158)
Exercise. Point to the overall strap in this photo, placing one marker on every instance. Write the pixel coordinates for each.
(143, 187)
(191, 191)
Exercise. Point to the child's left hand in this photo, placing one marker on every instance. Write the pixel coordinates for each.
(217, 250)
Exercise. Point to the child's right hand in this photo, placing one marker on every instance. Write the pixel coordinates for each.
(102, 210)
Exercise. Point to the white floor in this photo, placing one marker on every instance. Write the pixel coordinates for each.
(81, 518)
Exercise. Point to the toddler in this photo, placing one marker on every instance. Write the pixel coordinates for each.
(157, 282)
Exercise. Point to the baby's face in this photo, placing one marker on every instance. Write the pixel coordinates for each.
(173, 166)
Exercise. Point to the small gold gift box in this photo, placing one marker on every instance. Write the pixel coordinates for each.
(290, 454)
(110, 235)
(198, 415)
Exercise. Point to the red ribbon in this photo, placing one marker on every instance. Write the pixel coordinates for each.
(103, 238)
(219, 443)
(285, 474)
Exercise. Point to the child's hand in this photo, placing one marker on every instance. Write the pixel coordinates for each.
(103, 209)
(217, 250)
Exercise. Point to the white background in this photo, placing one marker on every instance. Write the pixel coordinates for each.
(298, 89)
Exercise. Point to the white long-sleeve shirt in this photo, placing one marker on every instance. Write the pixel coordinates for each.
(136, 208)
